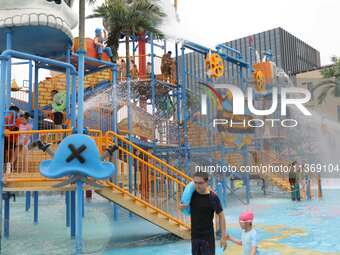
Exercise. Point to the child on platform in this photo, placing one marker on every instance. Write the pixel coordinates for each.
(24, 140)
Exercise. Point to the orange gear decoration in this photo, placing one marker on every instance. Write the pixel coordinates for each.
(260, 81)
(215, 65)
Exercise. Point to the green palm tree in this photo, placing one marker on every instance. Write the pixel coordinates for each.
(332, 83)
(129, 18)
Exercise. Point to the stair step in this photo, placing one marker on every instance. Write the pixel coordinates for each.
(161, 216)
(152, 211)
(173, 222)
(128, 198)
(184, 229)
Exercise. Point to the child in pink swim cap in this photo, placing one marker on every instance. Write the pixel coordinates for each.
(248, 238)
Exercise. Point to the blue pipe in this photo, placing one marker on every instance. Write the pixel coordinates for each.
(185, 114)
(250, 69)
(36, 97)
(68, 74)
(20, 63)
(153, 88)
(9, 69)
(177, 66)
(2, 127)
(114, 98)
(246, 178)
(133, 48)
(129, 135)
(114, 128)
(135, 176)
(81, 74)
(79, 209)
(7, 214)
(22, 55)
(220, 192)
(225, 47)
(308, 188)
(225, 198)
(73, 102)
(163, 46)
(242, 84)
(28, 201)
(95, 60)
(73, 214)
(36, 206)
(178, 94)
(30, 84)
(83, 204)
(67, 205)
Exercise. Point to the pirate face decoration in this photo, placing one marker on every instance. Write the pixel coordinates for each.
(77, 155)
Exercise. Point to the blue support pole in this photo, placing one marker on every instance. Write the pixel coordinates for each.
(246, 178)
(225, 198)
(128, 79)
(81, 75)
(308, 188)
(28, 201)
(250, 69)
(114, 98)
(220, 192)
(73, 214)
(242, 84)
(185, 114)
(67, 205)
(7, 214)
(79, 215)
(30, 84)
(153, 86)
(80, 130)
(135, 176)
(129, 135)
(177, 66)
(74, 102)
(134, 48)
(114, 128)
(36, 97)
(68, 81)
(178, 94)
(164, 46)
(2, 127)
(9, 69)
(83, 204)
(209, 118)
(36, 206)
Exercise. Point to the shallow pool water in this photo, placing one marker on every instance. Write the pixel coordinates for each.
(284, 227)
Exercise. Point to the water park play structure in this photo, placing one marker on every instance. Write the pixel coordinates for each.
(151, 129)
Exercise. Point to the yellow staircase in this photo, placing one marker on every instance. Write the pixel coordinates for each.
(278, 180)
(145, 210)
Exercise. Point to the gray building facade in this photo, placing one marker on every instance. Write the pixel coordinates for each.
(289, 52)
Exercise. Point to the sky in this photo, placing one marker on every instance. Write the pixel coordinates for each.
(210, 22)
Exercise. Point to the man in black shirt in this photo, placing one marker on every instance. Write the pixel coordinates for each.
(204, 203)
